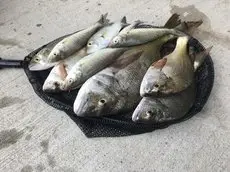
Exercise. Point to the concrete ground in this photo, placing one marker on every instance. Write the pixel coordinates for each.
(37, 137)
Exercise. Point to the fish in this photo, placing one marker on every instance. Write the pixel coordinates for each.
(174, 72)
(74, 42)
(116, 88)
(102, 38)
(39, 60)
(55, 80)
(154, 110)
(133, 35)
(137, 36)
(90, 65)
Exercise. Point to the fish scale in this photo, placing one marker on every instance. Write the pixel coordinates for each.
(120, 92)
(163, 109)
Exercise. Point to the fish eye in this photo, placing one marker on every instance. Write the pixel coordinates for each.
(102, 102)
(55, 54)
(90, 43)
(70, 81)
(149, 114)
(36, 59)
(156, 85)
(56, 84)
(115, 41)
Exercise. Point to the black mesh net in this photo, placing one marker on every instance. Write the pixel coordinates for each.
(121, 125)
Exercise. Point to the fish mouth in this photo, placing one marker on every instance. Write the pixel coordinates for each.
(38, 66)
(147, 92)
(52, 87)
(79, 110)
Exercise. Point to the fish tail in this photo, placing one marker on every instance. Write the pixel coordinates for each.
(173, 21)
(200, 57)
(103, 19)
(188, 27)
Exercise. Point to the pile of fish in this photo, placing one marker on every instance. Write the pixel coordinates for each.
(118, 68)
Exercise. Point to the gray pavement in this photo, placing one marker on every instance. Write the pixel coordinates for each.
(37, 137)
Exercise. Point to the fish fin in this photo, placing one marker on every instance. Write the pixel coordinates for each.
(130, 27)
(200, 57)
(124, 21)
(173, 21)
(189, 26)
(62, 71)
(126, 60)
(160, 63)
(103, 19)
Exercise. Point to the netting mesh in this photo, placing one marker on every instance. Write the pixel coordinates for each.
(121, 125)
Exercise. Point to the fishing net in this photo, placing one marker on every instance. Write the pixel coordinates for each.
(121, 124)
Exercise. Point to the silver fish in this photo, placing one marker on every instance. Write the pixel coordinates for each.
(102, 38)
(90, 65)
(131, 35)
(173, 73)
(152, 110)
(39, 61)
(139, 36)
(74, 42)
(55, 79)
(116, 88)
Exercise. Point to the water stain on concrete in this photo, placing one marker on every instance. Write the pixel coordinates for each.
(45, 145)
(9, 101)
(2, 24)
(190, 13)
(9, 137)
(51, 161)
(38, 25)
(27, 168)
(40, 167)
(28, 137)
(10, 42)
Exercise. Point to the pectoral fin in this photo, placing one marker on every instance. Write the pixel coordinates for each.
(160, 63)
(62, 71)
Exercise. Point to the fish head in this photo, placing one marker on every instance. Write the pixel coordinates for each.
(53, 83)
(94, 100)
(149, 111)
(73, 80)
(97, 44)
(52, 86)
(117, 41)
(39, 61)
(154, 81)
(54, 55)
